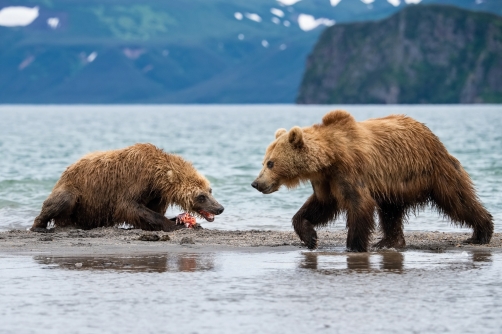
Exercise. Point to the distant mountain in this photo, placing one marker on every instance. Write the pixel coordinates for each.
(423, 54)
(176, 51)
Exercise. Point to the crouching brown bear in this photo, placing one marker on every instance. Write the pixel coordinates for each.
(393, 164)
(134, 185)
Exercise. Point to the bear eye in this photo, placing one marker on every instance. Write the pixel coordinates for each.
(270, 164)
(201, 198)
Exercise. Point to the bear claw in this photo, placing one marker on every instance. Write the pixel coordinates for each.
(41, 230)
(312, 243)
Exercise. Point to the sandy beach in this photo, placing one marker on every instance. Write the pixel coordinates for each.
(120, 241)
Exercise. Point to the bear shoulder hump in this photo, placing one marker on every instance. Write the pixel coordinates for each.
(337, 117)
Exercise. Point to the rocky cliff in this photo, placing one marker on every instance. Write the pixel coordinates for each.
(423, 54)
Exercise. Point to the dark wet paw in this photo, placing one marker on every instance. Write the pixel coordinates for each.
(479, 238)
(476, 241)
(382, 244)
(170, 227)
(357, 247)
(387, 243)
(41, 230)
(311, 241)
(197, 226)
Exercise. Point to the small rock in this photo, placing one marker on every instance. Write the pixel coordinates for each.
(149, 237)
(186, 240)
(165, 237)
(78, 265)
(45, 239)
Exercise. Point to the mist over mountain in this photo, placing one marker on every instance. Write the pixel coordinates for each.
(423, 54)
(108, 51)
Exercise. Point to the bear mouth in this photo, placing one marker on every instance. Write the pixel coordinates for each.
(207, 215)
(270, 189)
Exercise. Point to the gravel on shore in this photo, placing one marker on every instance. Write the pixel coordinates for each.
(103, 240)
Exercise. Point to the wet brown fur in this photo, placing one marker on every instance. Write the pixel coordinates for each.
(134, 185)
(391, 165)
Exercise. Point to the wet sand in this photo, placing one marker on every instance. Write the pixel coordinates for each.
(120, 241)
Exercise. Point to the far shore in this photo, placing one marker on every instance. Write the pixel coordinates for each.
(103, 241)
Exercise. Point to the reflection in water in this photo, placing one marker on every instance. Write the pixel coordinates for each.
(183, 262)
(328, 262)
(309, 261)
(358, 261)
(481, 256)
(391, 261)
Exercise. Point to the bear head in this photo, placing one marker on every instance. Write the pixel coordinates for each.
(288, 161)
(192, 192)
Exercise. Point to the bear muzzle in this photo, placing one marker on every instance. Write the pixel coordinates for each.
(264, 187)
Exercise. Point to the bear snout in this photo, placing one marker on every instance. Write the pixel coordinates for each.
(263, 187)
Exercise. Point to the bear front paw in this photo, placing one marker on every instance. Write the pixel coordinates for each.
(312, 243)
(305, 230)
(41, 230)
(310, 239)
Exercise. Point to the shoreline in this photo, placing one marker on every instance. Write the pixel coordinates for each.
(108, 241)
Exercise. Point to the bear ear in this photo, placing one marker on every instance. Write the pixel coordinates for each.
(280, 132)
(296, 137)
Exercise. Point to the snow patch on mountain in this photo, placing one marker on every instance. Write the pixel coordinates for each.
(18, 16)
(288, 2)
(53, 22)
(253, 17)
(308, 22)
(277, 12)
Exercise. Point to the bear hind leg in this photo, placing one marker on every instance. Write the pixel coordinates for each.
(391, 222)
(462, 206)
(59, 204)
(360, 220)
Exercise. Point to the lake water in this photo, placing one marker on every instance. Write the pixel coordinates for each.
(226, 143)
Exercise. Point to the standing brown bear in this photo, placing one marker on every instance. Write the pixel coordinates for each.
(134, 185)
(393, 164)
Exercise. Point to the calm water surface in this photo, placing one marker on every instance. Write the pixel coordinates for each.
(226, 143)
(252, 292)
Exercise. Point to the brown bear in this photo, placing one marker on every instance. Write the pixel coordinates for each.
(392, 164)
(134, 185)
